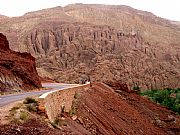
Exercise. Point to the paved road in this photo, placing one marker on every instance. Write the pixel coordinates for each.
(6, 99)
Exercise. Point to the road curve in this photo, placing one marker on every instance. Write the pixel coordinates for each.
(6, 99)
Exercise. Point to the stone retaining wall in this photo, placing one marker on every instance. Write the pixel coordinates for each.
(56, 101)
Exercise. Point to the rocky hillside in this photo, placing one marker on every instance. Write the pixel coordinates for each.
(2, 17)
(127, 19)
(17, 70)
(103, 53)
(104, 42)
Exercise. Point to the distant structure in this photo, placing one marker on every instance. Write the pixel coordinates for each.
(84, 79)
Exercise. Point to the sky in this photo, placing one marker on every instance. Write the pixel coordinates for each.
(169, 9)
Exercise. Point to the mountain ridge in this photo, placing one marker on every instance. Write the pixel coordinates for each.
(67, 39)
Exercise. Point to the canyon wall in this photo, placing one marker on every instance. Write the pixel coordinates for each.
(68, 50)
(17, 70)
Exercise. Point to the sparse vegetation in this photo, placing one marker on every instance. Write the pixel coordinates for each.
(76, 96)
(31, 104)
(31, 107)
(23, 116)
(73, 111)
(14, 109)
(17, 114)
(136, 88)
(29, 100)
(58, 122)
(167, 97)
(12, 114)
(54, 125)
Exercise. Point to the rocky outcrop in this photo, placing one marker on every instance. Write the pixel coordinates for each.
(68, 50)
(17, 70)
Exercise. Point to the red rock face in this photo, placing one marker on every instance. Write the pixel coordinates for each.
(17, 70)
(68, 50)
(4, 44)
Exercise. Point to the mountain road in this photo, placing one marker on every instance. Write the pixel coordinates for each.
(6, 99)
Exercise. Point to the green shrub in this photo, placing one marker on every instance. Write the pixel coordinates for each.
(76, 96)
(57, 122)
(29, 100)
(136, 88)
(14, 109)
(161, 95)
(24, 116)
(31, 107)
(164, 97)
(73, 111)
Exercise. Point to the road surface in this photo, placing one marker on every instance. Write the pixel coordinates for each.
(6, 99)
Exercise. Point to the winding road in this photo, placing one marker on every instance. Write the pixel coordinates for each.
(6, 99)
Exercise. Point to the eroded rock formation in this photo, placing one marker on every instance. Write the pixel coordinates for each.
(68, 50)
(102, 41)
(17, 70)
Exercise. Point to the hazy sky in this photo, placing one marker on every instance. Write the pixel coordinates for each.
(164, 8)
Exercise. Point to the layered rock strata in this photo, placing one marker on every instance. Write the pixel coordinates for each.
(17, 70)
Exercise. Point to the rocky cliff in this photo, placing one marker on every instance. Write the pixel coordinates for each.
(68, 50)
(17, 70)
(104, 42)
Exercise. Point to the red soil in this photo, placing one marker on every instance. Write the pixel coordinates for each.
(32, 127)
(102, 111)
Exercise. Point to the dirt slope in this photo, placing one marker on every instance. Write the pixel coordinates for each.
(17, 70)
(102, 111)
